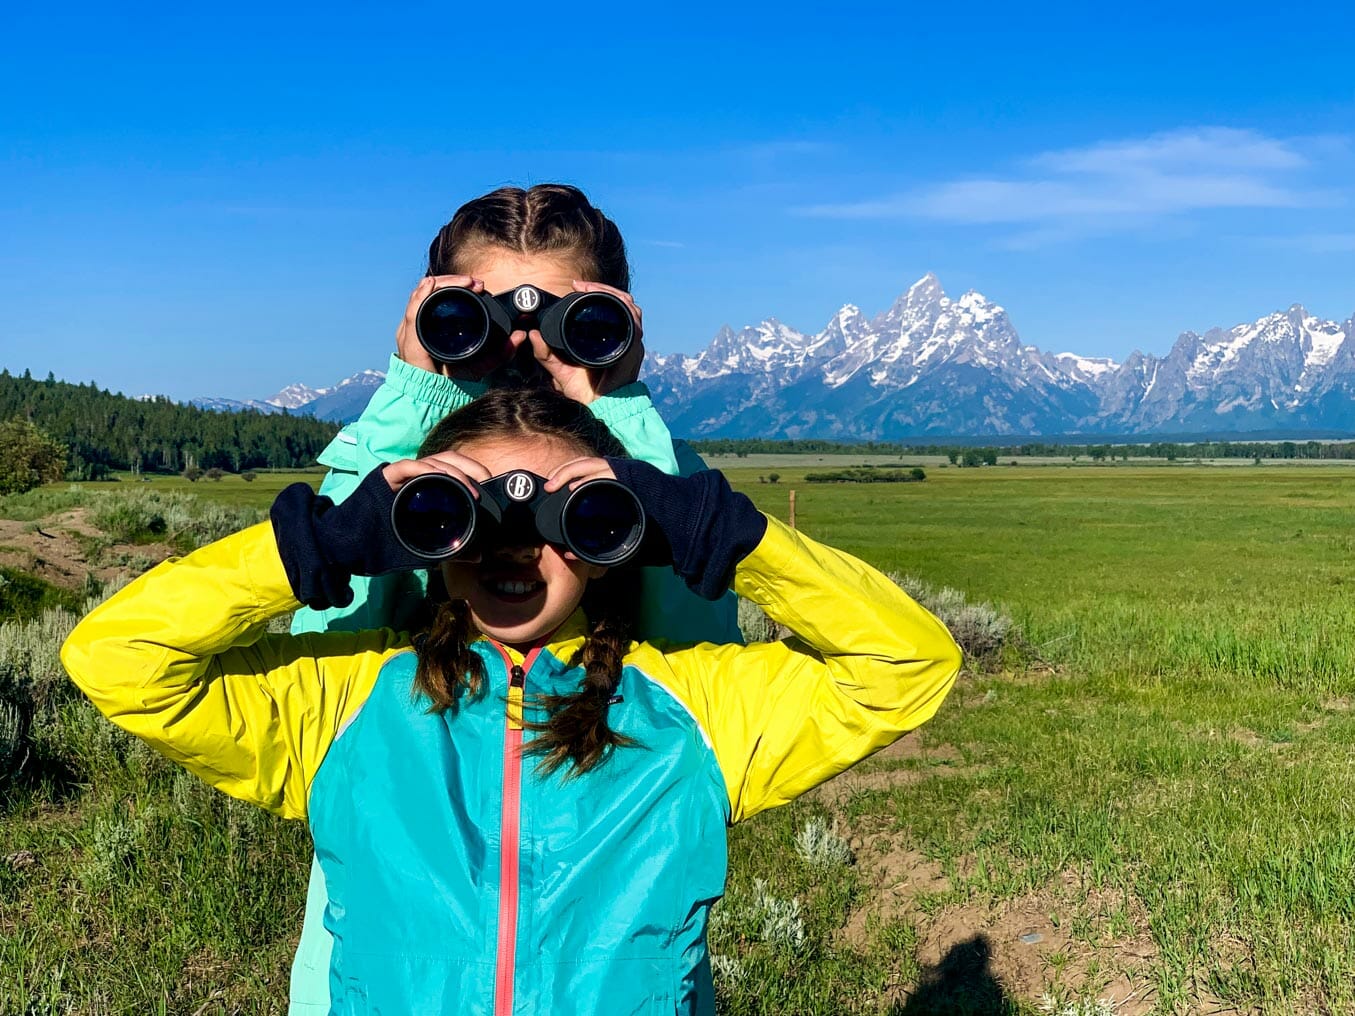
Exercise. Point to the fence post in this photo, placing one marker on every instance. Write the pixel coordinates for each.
(792, 509)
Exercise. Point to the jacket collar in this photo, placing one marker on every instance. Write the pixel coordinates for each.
(562, 642)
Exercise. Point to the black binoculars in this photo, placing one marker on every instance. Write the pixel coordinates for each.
(590, 329)
(436, 516)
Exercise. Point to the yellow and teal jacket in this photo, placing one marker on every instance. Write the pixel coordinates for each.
(460, 879)
(409, 403)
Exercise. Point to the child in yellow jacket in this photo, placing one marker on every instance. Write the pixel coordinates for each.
(519, 809)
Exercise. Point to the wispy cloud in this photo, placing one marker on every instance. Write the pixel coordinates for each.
(1112, 185)
(666, 243)
(1319, 243)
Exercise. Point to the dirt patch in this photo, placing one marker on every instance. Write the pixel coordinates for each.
(1030, 954)
(56, 550)
(1068, 941)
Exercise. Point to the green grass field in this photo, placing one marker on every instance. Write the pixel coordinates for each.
(1146, 806)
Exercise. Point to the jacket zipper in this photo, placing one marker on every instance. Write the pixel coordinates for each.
(510, 835)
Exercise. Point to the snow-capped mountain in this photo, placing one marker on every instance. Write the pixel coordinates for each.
(933, 365)
(341, 402)
(231, 405)
(297, 395)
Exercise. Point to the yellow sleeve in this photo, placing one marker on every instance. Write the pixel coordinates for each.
(869, 664)
(179, 658)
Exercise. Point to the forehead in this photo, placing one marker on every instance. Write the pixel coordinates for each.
(502, 270)
(540, 455)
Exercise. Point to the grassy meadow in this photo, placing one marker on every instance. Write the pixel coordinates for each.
(1141, 803)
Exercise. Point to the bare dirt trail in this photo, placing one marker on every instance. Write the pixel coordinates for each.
(56, 549)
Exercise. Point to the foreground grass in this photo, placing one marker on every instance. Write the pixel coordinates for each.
(1156, 791)
(1186, 754)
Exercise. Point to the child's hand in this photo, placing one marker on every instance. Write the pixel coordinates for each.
(410, 349)
(575, 471)
(459, 467)
(585, 384)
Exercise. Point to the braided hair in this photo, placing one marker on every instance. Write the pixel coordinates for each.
(550, 218)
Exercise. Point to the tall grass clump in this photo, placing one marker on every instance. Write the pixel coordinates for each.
(180, 520)
(41, 502)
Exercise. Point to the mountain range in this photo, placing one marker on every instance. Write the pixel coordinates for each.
(932, 365)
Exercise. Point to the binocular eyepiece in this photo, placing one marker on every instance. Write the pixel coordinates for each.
(436, 517)
(590, 329)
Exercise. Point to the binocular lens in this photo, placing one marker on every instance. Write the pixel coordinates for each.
(433, 515)
(597, 330)
(452, 324)
(603, 523)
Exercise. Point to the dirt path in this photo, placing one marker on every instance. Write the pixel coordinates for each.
(56, 550)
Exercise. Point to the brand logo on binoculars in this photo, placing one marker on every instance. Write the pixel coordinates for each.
(526, 299)
(519, 486)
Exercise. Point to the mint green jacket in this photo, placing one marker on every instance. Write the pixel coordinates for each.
(400, 414)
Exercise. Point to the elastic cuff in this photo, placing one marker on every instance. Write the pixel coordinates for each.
(622, 404)
(429, 388)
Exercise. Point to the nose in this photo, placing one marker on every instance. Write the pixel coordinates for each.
(520, 553)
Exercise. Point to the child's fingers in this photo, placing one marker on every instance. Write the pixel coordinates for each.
(576, 471)
(466, 465)
(407, 344)
(465, 470)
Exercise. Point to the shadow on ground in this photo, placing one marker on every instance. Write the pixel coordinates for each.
(961, 985)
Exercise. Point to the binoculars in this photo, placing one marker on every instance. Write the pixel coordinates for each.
(590, 329)
(436, 517)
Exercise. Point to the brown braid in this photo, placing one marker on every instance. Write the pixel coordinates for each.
(576, 729)
(447, 667)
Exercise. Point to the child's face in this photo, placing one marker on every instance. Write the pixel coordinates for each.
(518, 595)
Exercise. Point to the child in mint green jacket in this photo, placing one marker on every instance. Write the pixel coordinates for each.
(549, 237)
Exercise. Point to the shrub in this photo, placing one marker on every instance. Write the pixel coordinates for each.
(868, 474)
(761, 917)
(215, 474)
(820, 846)
(180, 519)
(191, 474)
(28, 457)
(756, 626)
(249, 476)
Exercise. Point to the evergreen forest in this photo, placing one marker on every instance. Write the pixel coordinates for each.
(105, 431)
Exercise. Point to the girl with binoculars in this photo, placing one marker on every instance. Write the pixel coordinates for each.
(520, 809)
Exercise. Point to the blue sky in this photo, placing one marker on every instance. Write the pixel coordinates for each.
(201, 201)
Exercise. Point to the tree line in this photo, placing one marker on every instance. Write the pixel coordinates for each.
(975, 454)
(103, 431)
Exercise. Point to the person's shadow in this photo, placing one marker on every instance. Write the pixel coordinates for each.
(961, 985)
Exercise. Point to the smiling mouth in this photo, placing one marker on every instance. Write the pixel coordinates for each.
(514, 590)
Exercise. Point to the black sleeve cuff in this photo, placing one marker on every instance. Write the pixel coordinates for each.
(323, 545)
(706, 528)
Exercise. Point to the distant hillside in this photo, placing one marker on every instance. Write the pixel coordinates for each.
(107, 431)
